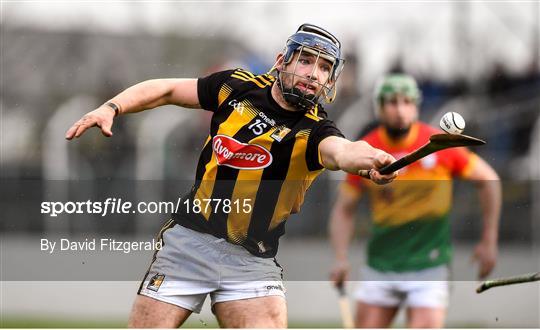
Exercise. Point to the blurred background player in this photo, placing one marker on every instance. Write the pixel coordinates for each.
(269, 139)
(409, 250)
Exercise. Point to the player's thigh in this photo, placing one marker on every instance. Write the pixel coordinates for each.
(378, 303)
(151, 313)
(263, 312)
(426, 317)
(426, 304)
(374, 316)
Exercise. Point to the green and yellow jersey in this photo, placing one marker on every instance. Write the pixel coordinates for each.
(257, 162)
(410, 227)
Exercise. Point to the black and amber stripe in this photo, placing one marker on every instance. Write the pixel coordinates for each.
(227, 178)
(261, 81)
(274, 192)
(272, 180)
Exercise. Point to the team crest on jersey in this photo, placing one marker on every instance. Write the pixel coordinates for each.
(280, 133)
(155, 282)
(232, 153)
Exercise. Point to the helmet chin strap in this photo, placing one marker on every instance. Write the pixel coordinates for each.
(294, 96)
(330, 98)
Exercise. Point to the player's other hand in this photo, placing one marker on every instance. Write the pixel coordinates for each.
(102, 117)
(485, 253)
(340, 272)
(380, 160)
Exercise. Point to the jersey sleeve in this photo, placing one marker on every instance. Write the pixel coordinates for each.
(322, 130)
(208, 89)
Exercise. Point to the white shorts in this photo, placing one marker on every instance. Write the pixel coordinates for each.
(192, 265)
(424, 288)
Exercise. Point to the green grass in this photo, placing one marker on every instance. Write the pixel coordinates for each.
(19, 322)
(193, 322)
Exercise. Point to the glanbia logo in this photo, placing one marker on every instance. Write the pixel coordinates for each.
(243, 156)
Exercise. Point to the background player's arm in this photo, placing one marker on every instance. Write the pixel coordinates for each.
(341, 154)
(341, 229)
(145, 95)
(489, 192)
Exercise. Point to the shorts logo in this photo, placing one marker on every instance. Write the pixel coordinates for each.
(155, 282)
(232, 153)
(274, 287)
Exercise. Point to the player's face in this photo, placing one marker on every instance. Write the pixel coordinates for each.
(309, 73)
(398, 113)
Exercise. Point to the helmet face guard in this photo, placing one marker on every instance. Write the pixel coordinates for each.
(317, 42)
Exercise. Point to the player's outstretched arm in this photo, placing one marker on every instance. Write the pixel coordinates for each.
(145, 95)
(489, 192)
(341, 154)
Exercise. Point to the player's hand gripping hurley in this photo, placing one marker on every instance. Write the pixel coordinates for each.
(436, 142)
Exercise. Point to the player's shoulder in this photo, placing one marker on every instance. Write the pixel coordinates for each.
(317, 125)
(243, 76)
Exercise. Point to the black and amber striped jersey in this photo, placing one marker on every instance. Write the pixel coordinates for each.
(257, 162)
